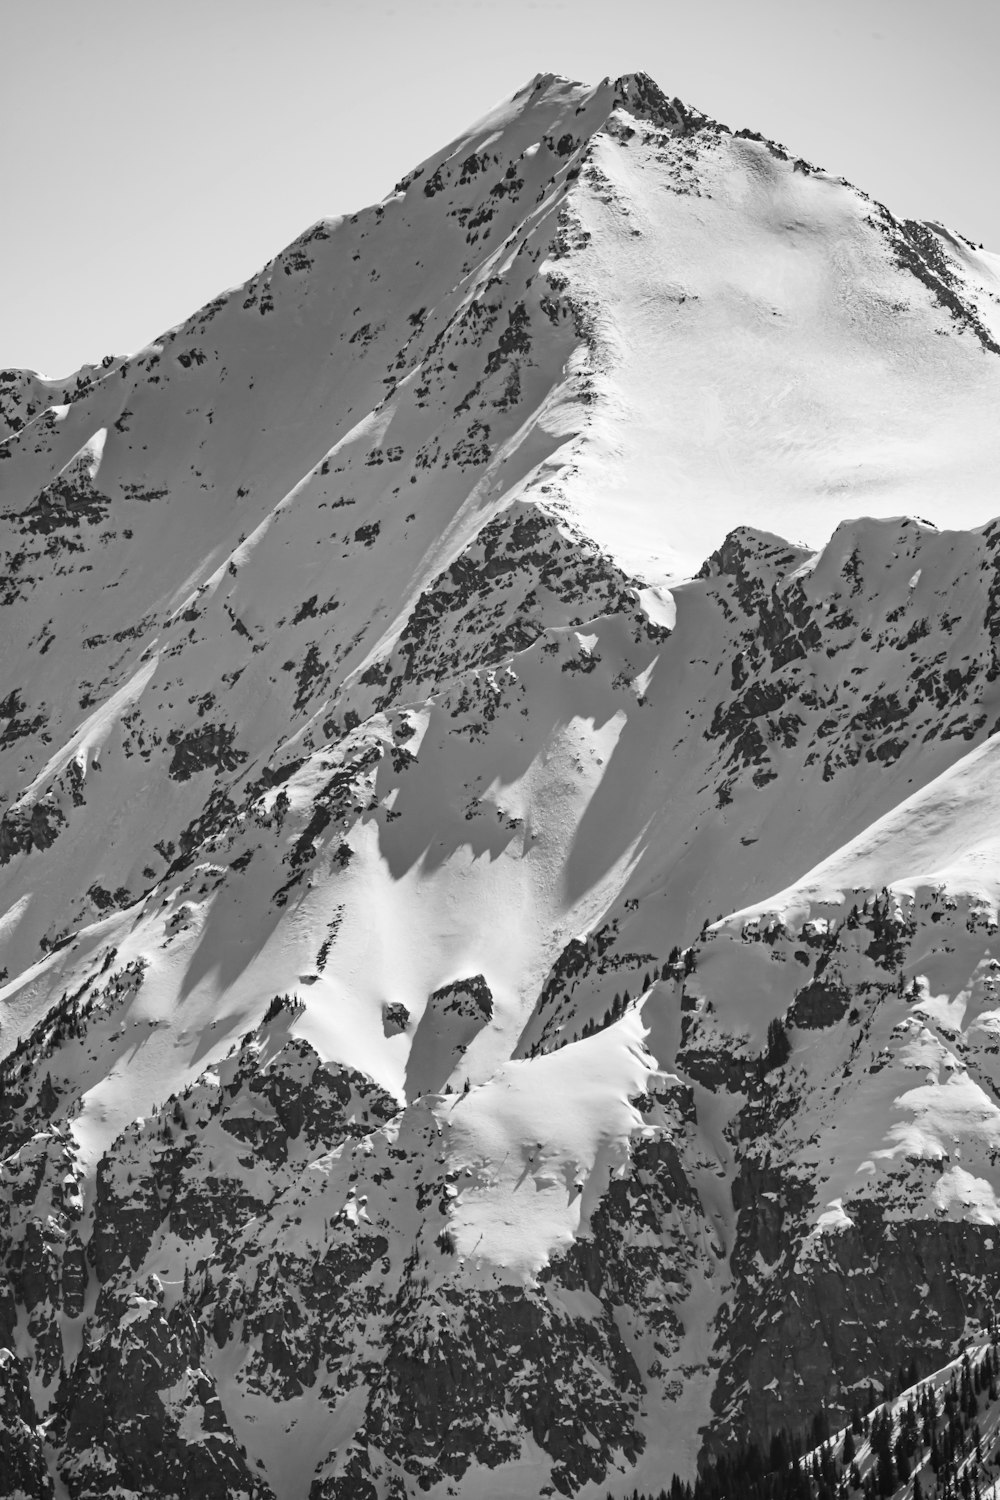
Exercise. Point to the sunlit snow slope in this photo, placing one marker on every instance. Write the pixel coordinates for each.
(403, 675)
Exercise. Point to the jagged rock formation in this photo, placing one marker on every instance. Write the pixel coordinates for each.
(404, 675)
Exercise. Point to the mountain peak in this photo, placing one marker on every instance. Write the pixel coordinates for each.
(643, 96)
(637, 92)
(438, 907)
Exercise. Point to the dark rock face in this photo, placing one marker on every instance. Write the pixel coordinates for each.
(511, 1356)
(917, 249)
(812, 620)
(162, 1172)
(460, 1377)
(452, 1019)
(25, 829)
(22, 1456)
(208, 748)
(470, 999)
(819, 1005)
(819, 1312)
(869, 1296)
(525, 573)
(139, 1408)
(395, 1017)
(445, 1376)
(139, 1413)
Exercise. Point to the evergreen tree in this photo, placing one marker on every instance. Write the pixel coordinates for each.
(901, 1459)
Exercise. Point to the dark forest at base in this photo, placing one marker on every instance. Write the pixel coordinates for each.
(932, 1444)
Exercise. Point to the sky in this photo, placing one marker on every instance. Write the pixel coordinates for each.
(160, 151)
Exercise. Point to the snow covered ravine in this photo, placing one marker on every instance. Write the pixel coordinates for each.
(499, 894)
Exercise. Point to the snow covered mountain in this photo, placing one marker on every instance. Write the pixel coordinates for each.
(497, 944)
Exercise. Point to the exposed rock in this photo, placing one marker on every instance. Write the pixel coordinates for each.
(22, 1455)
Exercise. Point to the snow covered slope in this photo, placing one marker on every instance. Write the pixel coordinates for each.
(403, 674)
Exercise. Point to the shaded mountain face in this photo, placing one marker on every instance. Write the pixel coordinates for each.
(496, 943)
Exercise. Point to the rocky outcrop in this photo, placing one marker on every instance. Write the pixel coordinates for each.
(843, 1267)
(139, 1413)
(22, 1455)
(874, 1296)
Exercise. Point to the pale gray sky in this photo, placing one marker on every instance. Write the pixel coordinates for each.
(158, 151)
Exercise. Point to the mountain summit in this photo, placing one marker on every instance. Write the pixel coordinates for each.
(496, 942)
